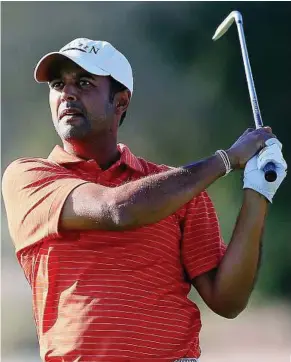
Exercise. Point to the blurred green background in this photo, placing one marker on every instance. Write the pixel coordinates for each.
(190, 98)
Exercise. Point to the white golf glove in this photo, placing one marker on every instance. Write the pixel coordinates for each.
(254, 177)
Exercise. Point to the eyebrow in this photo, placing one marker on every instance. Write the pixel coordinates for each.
(86, 75)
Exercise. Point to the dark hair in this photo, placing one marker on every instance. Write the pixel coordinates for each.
(116, 87)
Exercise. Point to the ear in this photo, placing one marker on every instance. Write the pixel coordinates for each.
(121, 101)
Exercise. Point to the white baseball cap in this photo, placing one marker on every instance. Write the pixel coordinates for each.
(95, 56)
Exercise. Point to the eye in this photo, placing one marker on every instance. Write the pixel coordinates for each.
(84, 83)
(57, 85)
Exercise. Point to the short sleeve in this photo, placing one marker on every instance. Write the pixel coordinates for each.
(202, 245)
(34, 192)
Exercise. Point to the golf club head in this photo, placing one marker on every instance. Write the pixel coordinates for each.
(226, 24)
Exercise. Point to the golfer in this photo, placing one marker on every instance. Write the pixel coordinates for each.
(111, 243)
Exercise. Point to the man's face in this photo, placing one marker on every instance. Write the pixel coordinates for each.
(79, 102)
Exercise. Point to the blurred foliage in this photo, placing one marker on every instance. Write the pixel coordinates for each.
(190, 95)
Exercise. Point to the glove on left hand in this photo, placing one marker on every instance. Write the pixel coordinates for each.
(254, 177)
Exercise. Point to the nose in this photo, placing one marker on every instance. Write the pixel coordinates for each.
(69, 93)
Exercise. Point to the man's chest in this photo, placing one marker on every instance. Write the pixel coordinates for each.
(96, 262)
(152, 246)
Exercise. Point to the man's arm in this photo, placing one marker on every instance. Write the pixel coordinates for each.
(227, 289)
(137, 203)
(155, 197)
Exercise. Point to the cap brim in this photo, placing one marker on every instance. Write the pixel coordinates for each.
(41, 72)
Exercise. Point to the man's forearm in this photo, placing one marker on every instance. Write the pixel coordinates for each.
(236, 275)
(155, 197)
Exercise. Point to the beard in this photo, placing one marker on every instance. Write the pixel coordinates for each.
(83, 127)
(73, 128)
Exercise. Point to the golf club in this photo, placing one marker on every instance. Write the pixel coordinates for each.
(270, 168)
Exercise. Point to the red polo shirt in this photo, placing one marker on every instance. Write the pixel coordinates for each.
(106, 295)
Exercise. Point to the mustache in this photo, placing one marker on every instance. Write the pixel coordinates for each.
(72, 105)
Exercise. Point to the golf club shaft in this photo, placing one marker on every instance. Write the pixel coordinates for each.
(270, 168)
(249, 76)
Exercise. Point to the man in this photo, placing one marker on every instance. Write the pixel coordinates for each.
(111, 243)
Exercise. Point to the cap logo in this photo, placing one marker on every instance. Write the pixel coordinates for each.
(81, 47)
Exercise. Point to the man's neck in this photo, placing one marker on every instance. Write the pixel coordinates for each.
(104, 154)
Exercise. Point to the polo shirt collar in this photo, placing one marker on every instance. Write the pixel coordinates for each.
(60, 156)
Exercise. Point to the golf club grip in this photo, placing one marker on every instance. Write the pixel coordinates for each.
(270, 172)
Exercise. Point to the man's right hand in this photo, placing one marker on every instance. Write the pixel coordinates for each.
(247, 145)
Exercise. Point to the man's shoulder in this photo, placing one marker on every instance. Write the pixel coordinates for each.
(23, 163)
(27, 168)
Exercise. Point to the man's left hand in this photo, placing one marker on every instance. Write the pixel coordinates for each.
(254, 177)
